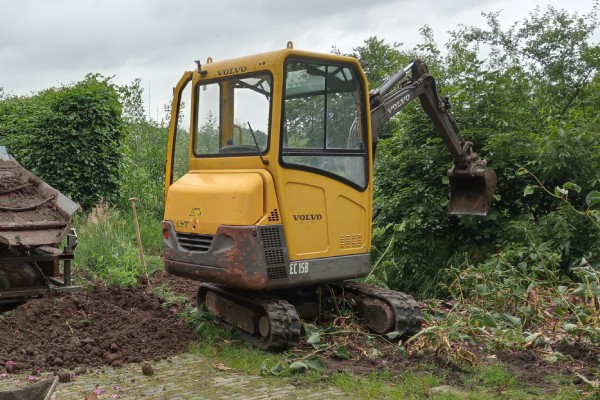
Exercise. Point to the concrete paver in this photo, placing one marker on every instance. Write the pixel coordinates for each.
(182, 377)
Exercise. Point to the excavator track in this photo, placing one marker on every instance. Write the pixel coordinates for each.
(266, 322)
(385, 310)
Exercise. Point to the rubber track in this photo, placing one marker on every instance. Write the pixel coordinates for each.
(283, 318)
(407, 312)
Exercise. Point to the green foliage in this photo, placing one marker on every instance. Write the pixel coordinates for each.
(515, 300)
(142, 155)
(69, 137)
(533, 103)
(108, 251)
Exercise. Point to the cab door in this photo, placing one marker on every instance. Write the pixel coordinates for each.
(325, 185)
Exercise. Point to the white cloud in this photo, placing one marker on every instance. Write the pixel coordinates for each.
(45, 43)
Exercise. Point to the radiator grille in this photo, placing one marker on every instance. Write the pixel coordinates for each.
(271, 237)
(273, 250)
(274, 256)
(279, 272)
(194, 242)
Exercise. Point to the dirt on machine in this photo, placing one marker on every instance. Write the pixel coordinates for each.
(34, 223)
(269, 185)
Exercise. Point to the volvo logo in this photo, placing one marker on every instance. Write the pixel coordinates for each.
(231, 71)
(307, 217)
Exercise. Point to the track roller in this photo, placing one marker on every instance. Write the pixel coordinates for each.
(268, 323)
(384, 310)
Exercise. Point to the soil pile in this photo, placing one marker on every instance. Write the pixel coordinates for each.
(106, 325)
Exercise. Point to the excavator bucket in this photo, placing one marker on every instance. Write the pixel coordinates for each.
(471, 194)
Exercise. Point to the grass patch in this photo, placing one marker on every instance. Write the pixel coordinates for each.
(236, 355)
(108, 249)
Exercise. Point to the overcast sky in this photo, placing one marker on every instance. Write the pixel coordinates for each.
(48, 43)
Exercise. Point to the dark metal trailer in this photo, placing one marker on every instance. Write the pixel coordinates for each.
(36, 238)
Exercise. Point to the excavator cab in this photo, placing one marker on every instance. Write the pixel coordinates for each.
(269, 172)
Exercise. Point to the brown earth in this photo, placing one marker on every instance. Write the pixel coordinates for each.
(116, 325)
(101, 326)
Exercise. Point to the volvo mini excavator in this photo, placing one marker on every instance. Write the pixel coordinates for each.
(269, 180)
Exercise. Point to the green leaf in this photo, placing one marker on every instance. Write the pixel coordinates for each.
(592, 198)
(277, 369)
(309, 328)
(563, 289)
(560, 192)
(485, 320)
(572, 186)
(516, 321)
(374, 353)
(342, 352)
(488, 321)
(580, 290)
(264, 370)
(393, 335)
(299, 366)
(528, 190)
(314, 337)
(315, 363)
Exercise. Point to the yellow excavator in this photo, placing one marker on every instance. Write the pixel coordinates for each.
(269, 180)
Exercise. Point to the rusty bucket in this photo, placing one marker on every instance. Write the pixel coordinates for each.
(471, 193)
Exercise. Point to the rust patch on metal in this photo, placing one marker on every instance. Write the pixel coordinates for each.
(234, 259)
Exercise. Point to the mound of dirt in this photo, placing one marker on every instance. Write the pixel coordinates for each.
(103, 326)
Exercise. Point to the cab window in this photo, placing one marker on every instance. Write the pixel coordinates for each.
(323, 125)
(233, 116)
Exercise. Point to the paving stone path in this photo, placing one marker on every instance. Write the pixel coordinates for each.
(181, 377)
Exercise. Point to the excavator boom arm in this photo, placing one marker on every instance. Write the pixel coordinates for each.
(472, 185)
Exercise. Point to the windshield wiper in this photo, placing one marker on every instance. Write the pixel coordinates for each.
(265, 162)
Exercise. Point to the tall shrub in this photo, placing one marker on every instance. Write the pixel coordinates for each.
(69, 137)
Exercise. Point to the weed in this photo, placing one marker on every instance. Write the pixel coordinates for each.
(108, 250)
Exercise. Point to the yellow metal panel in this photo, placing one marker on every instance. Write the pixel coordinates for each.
(350, 225)
(185, 79)
(200, 202)
(345, 216)
(306, 223)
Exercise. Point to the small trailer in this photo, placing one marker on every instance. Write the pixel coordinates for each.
(36, 238)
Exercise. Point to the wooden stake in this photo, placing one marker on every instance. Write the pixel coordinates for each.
(139, 236)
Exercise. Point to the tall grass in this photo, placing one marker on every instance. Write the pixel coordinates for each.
(108, 249)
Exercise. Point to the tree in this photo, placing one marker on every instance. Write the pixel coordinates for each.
(69, 137)
(143, 152)
(530, 101)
